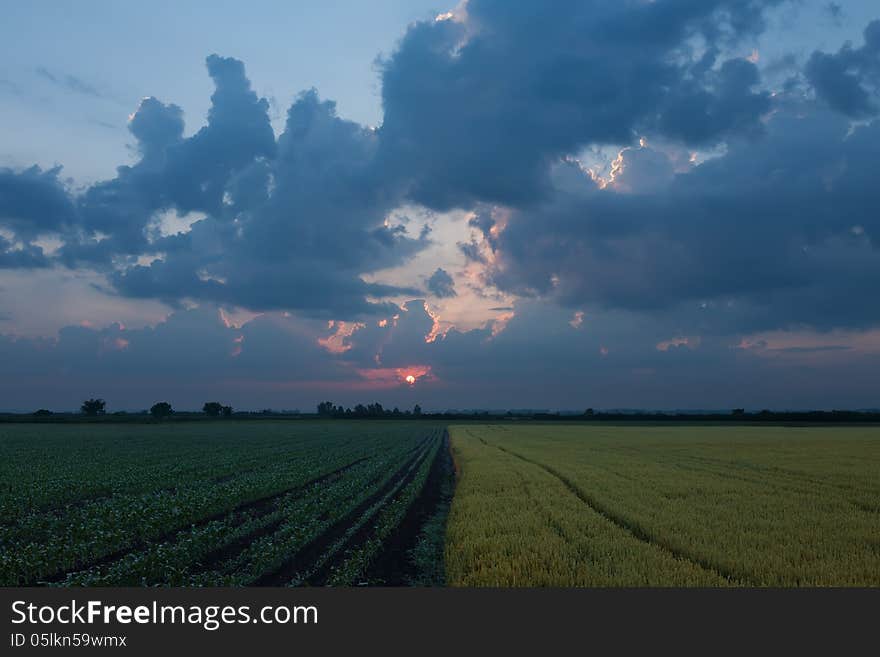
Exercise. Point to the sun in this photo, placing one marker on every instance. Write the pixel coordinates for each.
(410, 379)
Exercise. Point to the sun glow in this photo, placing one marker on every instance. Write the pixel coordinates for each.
(393, 377)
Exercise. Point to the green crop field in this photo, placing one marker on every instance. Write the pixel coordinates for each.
(338, 502)
(217, 503)
(595, 505)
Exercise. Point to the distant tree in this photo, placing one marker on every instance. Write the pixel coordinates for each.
(93, 407)
(212, 409)
(417, 410)
(325, 408)
(161, 409)
(589, 412)
(227, 411)
(739, 412)
(43, 412)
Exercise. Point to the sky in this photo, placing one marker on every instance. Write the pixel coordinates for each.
(646, 204)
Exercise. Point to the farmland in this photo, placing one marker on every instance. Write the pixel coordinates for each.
(213, 503)
(591, 505)
(341, 502)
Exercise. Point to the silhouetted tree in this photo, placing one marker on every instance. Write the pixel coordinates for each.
(739, 412)
(227, 411)
(589, 412)
(93, 407)
(325, 408)
(212, 408)
(161, 409)
(417, 410)
(43, 412)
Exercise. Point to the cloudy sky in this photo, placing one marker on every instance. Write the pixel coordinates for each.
(658, 204)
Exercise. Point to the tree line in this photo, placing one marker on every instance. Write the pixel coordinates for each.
(96, 407)
(328, 409)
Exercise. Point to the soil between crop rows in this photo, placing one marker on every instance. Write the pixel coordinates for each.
(252, 508)
(302, 560)
(394, 566)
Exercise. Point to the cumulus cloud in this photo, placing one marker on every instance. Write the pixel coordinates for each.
(849, 80)
(291, 223)
(440, 284)
(776, 233)
(476, 107)
(156, 126)
(34, 201)
(740, 211)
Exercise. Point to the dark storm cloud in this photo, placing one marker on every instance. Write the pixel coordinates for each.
(186, 175)
(714, 105)
(286, 224)
(780, 230)
(849, 80)
(777, 233)
(34, 201)
(291, 231)
(440, 284)
(238, 132)
(21, 257)
(476, 109)
(156, 126)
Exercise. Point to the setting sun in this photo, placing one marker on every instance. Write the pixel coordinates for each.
(410, 379)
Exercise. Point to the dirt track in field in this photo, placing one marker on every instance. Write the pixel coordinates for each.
(394, 566)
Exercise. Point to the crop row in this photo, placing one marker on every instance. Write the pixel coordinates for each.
(41, 545)
(357, 562)
(184, 560)
(296, 551)
(66, 466)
